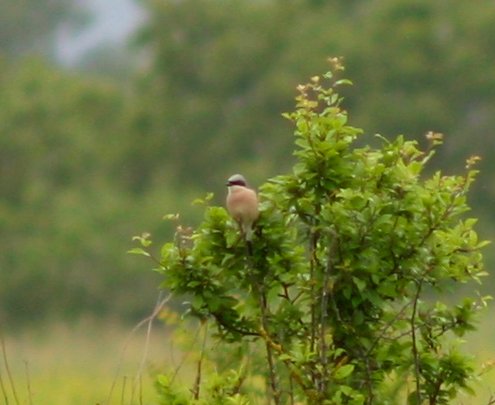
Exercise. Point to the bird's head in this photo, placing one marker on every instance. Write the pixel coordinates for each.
(236, 180)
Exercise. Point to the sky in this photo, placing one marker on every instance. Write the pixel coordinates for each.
(114, 21)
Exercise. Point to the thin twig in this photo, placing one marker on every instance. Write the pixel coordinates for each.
(197, 383)
(156, 311)
(260, 292)
(28, 383)
(414, 342)
(141, 390)
(122, 394)
(312, 272)
(242, 377)
(4, 391)
(291, 390)
(269, 352)
(158, 308)
(313, 264)
(386, 327)
(368, 382)
(366, 355)
(324, 311)
(294, 370)
(263, 304)
(186, 355)
(7, 370)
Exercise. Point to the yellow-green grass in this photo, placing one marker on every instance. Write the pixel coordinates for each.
(481, 344)
(79, 365)
(85, 364)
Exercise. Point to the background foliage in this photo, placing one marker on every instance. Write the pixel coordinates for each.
(88, 157)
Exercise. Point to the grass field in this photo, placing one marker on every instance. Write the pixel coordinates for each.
(99, 363)
(85, 364)
(481, 343)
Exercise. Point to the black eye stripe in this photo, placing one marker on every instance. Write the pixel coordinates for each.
(237, 183)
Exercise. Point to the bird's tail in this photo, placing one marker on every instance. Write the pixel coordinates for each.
(249, 247)
(248, 232)
(248, 236)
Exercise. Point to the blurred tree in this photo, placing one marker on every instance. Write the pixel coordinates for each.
(221, 73)
(63, 206)
(78, 155)
(31, 25)
(427, 65)
(110, 61)
(210, 102)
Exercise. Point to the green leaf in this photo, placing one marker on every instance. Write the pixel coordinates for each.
(360, 284)
(143, 239)
(171, 217)
(343, 372)
(203, 201)
(412, 399)
(138, 251)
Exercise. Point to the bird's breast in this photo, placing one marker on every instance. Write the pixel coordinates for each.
(242, 203)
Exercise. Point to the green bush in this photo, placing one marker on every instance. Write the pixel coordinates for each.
(344, 289)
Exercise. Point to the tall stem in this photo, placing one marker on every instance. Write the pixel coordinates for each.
(332, 248)
(269, 352)
(313, 262)
(197, 383)
(259, 289)
(414, 342)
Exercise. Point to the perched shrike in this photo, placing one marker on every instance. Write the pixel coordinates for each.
(242, 204)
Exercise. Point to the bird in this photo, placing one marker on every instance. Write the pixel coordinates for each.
(242, 204)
